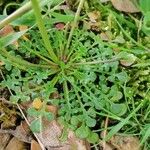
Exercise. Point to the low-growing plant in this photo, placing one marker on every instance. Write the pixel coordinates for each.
(85, 71)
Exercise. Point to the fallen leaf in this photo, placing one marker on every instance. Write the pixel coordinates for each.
(125, 6)
(4, 139)
(125, 142)
(35, 145)
(50, 138)
(51, 108)
(8, 29)
(9, 122)
(22, 28)
(106, 36)
(21, 132)
(15, 144)
(55, 95)
(60, 26)
(77, 143)
(94, 16)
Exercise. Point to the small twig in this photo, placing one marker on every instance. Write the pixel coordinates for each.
(104, 133)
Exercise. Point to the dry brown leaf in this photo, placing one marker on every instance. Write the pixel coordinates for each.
(125, 6)
(51, 108)
(22, 132)
(105, 36)
(50, 135)
(15, 144)
(6, 30)
(35, 145)
(60, 26)
(22, 28)
(76, 143)
(4, 139)
(55, 95)
(93, 21)
(94, 16)
(125, 143)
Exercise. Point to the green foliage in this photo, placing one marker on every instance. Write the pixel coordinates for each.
(91, 79)
(36, 125)
(145, 7)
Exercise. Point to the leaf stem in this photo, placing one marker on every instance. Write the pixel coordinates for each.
(66, 93)
(97, 62)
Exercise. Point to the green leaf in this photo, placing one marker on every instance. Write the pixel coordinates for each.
(36, 125)
(61, 18)
(9, 39)
(33, 112)
(8, 66)
(74, 120)
(14, 99)
(93, 138)
(146, 24)
(146, 134)
(90, 122)
(118, 109)
(91, 112)
(82, 132)
(122, 77)
(49, 116)
(27, 19)
(117, 96)
(116, 128)
(145, 5)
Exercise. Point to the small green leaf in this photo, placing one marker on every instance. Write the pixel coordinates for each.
(8, 66)
(74, 120)
(93, 138)
(118, 109)
(82, 132)
(122, 77)
(146, 24)
(90, 122)
(49, 116)
(117, 96)
(33, 112)
(14, 99)
(91, 112)
(36, 125)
